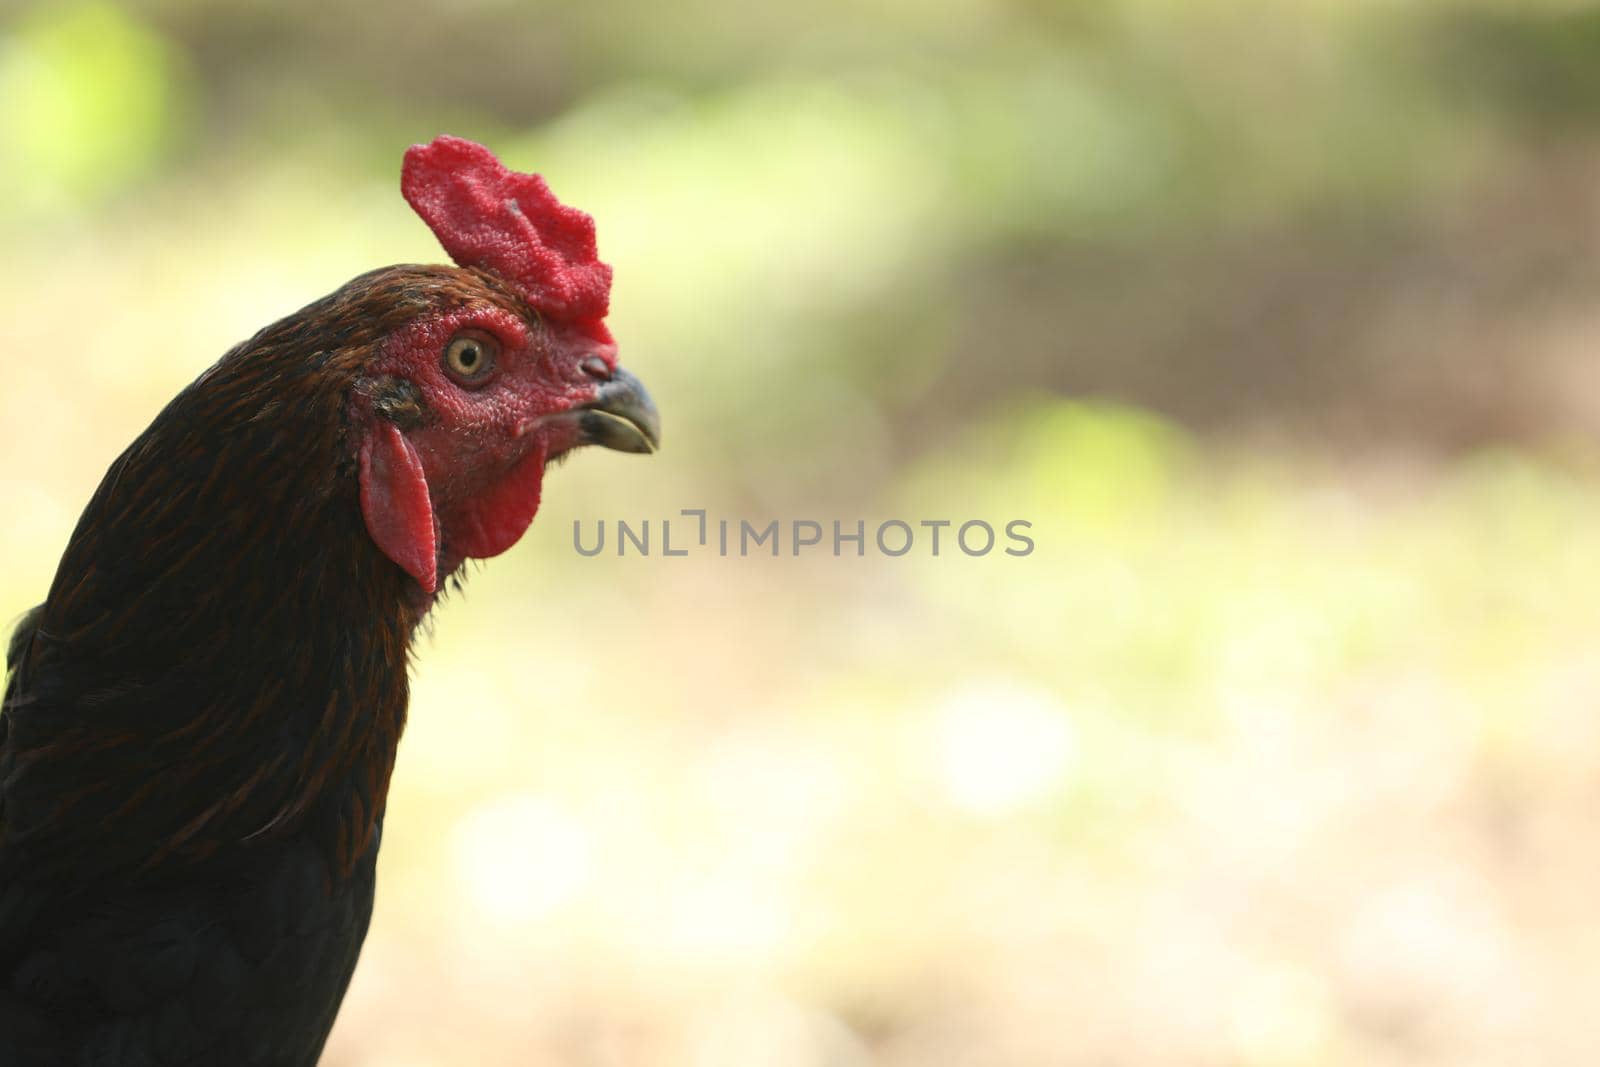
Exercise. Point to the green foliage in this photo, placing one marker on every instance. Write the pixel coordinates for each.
(91, 97)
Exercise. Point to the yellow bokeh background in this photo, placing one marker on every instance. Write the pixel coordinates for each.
(1277, 321)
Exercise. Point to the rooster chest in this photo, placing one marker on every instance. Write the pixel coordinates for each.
(246, 967)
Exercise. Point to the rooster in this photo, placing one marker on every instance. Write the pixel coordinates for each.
(201, 719)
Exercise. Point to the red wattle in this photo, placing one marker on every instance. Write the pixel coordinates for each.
(495, 519)
(395, 504)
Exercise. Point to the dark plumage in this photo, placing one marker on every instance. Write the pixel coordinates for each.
(201, 719)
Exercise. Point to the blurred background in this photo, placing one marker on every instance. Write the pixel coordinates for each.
(1279, 321)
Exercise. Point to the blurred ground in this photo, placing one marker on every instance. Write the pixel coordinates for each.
(1277, 321)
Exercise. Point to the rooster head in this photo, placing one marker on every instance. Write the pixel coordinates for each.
(507, 365)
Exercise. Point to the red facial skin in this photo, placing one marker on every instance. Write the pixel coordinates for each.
(462, 480)
(482, 451)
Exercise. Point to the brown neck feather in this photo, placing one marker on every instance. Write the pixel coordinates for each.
(221, 661)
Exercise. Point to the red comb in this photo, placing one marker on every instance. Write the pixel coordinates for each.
(490, 217)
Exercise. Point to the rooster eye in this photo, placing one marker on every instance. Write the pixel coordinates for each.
(469, 357)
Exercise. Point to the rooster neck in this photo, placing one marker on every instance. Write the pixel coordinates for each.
(222, 615)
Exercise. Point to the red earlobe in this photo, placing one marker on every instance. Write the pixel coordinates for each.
(394, 501)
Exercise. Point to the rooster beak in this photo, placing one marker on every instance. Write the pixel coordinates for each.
(621, 416)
